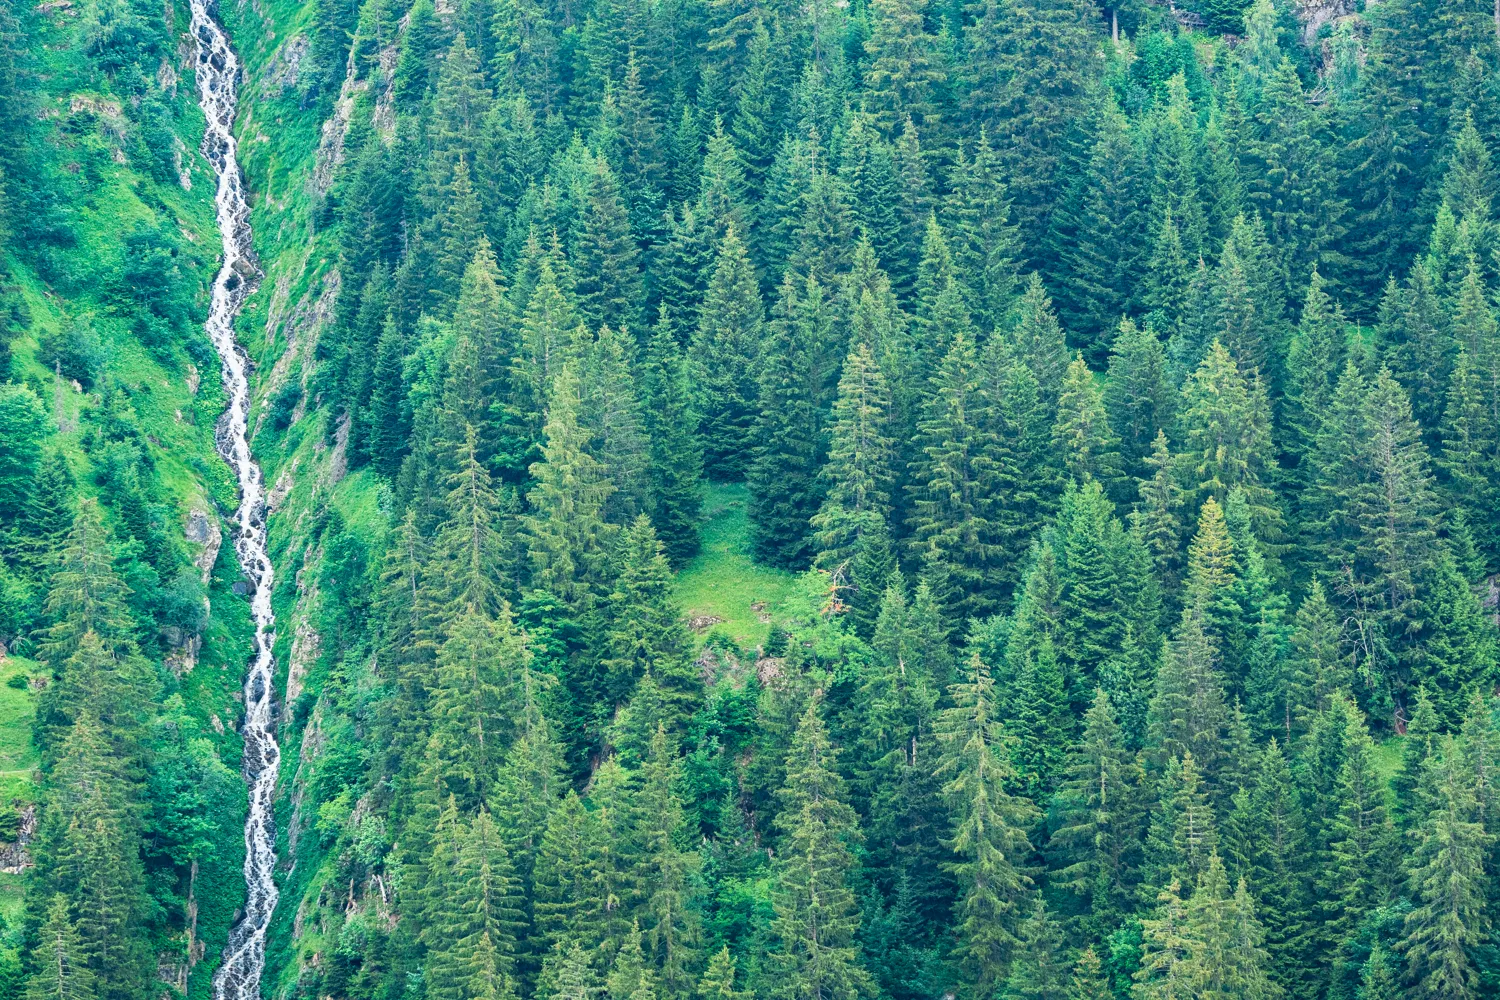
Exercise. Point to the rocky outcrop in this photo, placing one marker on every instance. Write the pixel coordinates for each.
(16, 857)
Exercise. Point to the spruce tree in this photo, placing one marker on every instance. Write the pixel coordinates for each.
(1082, 435)
(957, 520)
(1097, 820)
(815, 914)
(1039, 971)
(645, 634)
(1226, 436)
(785, 490)
(1137, 396)
(858, 475)
(989, 828)
(61, 973)
(569, 544)
(724, 356)
(1089, 981)
(675, 462)
(1448, 884)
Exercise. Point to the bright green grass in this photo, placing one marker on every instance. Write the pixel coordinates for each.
(17, 756)
(1388, 757)
(722, 580)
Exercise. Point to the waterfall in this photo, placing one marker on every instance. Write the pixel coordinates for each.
(238, 978)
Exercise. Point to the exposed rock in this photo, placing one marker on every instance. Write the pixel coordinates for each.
(301, 326)
(183, 656)
(306, 642)
(285, 68)
(203, 529)
(331, 145)
(284, 482)
(702, 623)
(1316, 13)
(16, 858)
(767, 668)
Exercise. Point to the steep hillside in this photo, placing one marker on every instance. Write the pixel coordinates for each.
(769, 501)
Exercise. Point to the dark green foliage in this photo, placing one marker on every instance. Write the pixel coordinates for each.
(1125, 628)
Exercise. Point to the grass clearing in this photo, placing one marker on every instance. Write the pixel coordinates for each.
(723, 581)
(18, 757)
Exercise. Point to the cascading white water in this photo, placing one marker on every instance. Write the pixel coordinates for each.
(238, 978)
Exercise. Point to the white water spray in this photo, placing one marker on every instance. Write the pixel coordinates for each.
(238, 978)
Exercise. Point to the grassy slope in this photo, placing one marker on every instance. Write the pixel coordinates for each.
(723, 581)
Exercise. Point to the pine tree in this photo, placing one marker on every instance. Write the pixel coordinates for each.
(1459, 647)
(989, 827)
(724, 354)
(547, 326)
(1412, 333)
(815, 914)
(469, 551)
(1379, 978)
(1155, 519)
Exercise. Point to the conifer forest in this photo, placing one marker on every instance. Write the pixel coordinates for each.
(749, 499)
